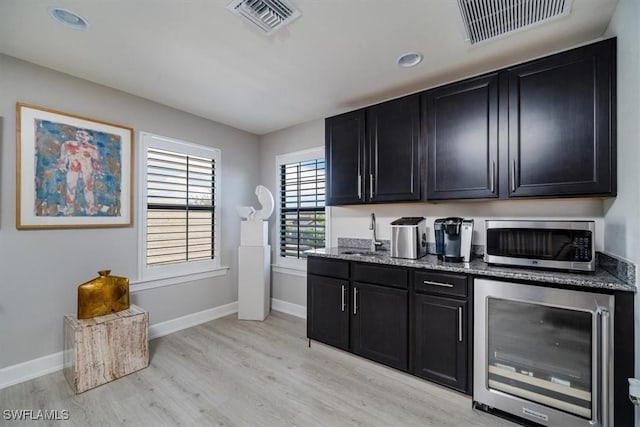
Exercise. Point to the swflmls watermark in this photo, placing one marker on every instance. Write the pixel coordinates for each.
(35, 414)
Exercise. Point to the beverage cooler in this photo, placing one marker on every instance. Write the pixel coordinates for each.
(543, 354)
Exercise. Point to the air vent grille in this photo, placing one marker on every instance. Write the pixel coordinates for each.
(488, 19)
(268, 15)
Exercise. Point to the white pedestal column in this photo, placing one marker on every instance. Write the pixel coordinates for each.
(254, 271)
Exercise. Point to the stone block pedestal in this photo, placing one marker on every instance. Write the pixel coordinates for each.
(104, 348)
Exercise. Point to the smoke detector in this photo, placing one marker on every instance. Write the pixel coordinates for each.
(268, 15)
(488, 19)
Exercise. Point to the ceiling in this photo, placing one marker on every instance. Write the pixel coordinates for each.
(196, 56)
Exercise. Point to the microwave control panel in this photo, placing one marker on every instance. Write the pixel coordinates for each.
(581, 248)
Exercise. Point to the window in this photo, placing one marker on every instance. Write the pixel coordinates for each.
(302, 219)
(179, 212)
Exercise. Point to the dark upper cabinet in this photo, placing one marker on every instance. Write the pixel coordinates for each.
(461, 122)
(373, 155)
(560, 124)
(345, 158)
(545, 128)
(393, 130)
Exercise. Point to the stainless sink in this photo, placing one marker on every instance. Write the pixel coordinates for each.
(360, 253)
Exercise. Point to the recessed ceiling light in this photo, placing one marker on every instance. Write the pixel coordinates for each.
(410, 59)
(68, 18)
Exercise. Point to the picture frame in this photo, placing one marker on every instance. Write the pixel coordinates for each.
(72, 171)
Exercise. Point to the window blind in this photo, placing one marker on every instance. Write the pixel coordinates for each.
(180, 207)
(302, 207)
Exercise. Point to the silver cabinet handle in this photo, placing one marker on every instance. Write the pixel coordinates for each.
(359, 186)
(460, 324)
(444, 285)
(344, 303)
(492, 178)
(371, 186)
(355, 300)
(513, 176)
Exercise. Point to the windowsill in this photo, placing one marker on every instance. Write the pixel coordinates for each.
(142, 285)
(293, 271)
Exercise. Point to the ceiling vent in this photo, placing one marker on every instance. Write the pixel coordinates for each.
(268, 15)
(488, 19)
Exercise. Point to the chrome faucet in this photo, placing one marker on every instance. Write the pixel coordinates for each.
(375, 244)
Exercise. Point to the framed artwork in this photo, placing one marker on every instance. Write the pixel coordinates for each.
(72, 171)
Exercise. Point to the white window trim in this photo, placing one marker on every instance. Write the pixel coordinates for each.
(284, 264)
(165, 275)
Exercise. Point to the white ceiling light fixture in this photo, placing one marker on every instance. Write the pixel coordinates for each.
(268, 15)
(489, 19)
(68, 18)
(410, 59)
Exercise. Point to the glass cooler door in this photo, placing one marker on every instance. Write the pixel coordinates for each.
(541, 353)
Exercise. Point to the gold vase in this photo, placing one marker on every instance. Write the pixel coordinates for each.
(103, 295)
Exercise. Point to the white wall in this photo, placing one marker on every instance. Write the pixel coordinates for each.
(622, 214)
(41, 269)
(286, 287)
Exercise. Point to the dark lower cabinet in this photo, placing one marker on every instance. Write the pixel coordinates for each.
(441, 340)
(379, 324)
(414, 320)
(368, 319)
(327, 310)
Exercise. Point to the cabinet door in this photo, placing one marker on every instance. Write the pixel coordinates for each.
(328, 310)
(462, 139)
(344, 154)
(561, 123)
(441, 339)
(379, 323)
(394, 151)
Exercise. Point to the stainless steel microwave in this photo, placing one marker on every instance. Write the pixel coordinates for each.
(564, 245)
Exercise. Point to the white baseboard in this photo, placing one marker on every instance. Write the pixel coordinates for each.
(174, 325)
(25, 371)
(31, 369)
(289, 308)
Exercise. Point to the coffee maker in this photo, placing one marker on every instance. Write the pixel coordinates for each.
(453, 239)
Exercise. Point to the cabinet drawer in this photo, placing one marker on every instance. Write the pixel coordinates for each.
(328, 267)
(442, 283)
(379, 275)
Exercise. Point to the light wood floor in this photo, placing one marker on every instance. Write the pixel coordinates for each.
(241, 373)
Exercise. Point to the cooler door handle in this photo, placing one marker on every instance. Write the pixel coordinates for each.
(601, 413)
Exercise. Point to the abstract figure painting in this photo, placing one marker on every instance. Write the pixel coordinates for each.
(73, 172)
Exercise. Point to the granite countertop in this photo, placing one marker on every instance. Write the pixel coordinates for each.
(598, 279)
